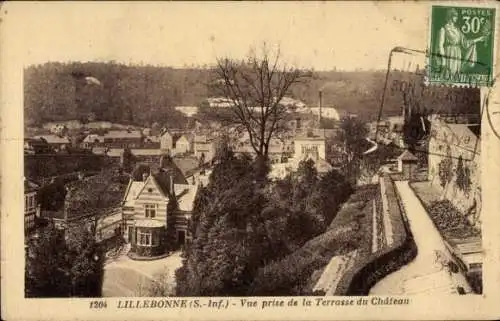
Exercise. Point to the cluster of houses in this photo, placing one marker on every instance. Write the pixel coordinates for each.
(140, 143)
(388, 130)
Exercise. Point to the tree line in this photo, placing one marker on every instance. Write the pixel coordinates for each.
(143, 95)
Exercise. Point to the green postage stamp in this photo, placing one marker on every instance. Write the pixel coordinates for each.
(461, 46)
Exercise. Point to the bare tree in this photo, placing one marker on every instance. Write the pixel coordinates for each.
(255, 86)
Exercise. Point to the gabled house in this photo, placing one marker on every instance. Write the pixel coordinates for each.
(92, 140)
(157, 209)
(183, 144)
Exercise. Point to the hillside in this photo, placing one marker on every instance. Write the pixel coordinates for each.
(144, 94)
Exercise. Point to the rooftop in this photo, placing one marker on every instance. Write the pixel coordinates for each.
(30, 186)
(185, 196)
(311, 134)
(54, 139)
(113, 134)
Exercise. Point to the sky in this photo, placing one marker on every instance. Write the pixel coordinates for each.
(318, 35)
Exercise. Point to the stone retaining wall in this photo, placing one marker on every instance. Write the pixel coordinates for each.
(369, 270)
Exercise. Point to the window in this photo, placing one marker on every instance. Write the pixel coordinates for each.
(147, 238)
(29, 202)
(144, 238)
(32, 202)
(150, 210)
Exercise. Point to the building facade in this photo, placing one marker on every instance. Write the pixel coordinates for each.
(166, 141)
(183, 145)
(157, 209)
(31, 207)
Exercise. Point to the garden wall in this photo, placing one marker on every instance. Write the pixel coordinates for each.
(372, 268)
(454, 168)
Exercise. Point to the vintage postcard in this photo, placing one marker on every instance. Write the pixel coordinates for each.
(253, 160)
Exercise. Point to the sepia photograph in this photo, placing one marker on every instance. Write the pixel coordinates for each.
(194, 150)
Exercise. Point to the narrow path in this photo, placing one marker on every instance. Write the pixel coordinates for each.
(424, 275)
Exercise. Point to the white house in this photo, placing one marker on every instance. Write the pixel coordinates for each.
(183, 144)
(205, 147)
(92, 139)
(310, 145)
(187, 110)
(153, 224)
(166, 141)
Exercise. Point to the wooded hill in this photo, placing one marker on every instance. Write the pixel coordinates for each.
(144, 94)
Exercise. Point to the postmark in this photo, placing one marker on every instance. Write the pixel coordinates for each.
(430, 114)
(461, 44)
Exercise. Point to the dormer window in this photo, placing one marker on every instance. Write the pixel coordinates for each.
(150, 210)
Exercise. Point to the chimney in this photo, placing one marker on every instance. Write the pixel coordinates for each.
(320, 93)
(171, 184)
(144, 176)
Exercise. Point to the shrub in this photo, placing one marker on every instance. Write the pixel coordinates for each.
(450, 221)
(475, 280)
(288, 276)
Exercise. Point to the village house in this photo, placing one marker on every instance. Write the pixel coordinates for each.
(31, 207)
(204, 148)
(92, 140)
(308, 146)
(55, 141)
(166, 140)
(157, 208)
(36, 146)
(123, 138)
(189, 111)
(183, 144)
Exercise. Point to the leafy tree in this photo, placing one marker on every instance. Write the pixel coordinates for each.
(353, 137)
(86, 260)
(46, 266)
(59, 265)
(242, 222)
(51, 197)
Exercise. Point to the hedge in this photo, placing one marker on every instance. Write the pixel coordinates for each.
(372, 268)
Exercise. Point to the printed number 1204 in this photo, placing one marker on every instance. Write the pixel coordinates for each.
(98, 304)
